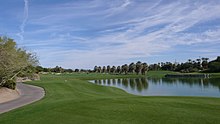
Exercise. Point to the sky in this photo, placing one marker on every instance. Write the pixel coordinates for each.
(84, 33)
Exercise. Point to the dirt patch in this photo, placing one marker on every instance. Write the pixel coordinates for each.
(8, 94)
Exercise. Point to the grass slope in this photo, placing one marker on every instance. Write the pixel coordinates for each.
(70, 99)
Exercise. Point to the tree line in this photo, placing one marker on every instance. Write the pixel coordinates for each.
(197, 65)
(138, 68)
(57, 69)
(14, 61)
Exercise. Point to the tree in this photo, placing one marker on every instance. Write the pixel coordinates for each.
(189, 60)
(198, 63)
(103, 69)
(138, 67)
(113, 69)
(39, 69)
(155, 67)
(205, 63)
(125, 68)
(144, 68)
(46, 70)
(76, 70)
(108, 69)
(57, 69)
(13, 60)
(132, 67)
(68, 70)
(118, 70)
(218, 59)
(96, 69)
(99, 69)
(214, 66)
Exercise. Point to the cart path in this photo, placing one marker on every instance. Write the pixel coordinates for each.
(28, 94)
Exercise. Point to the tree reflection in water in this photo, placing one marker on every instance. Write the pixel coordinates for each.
(201, 82)
(160, 85)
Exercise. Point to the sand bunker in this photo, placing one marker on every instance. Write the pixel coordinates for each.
(8, 94)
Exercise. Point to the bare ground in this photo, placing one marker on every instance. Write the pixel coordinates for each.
(8, 94)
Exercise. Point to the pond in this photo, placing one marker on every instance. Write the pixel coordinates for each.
(166, 86)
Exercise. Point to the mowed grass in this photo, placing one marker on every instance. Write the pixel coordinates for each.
(70, 99)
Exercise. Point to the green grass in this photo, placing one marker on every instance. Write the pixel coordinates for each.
(215, 75)
(70, 99)
(212, 75)
(159, 74)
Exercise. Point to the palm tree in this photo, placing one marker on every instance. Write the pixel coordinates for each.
(132, 67)
(159, 66)
(199, 63)
(108, 68)
(118, 70)
(99, 69)
(189, 60)
(125, 68)
(113, 69)
(205, 59)
(144, 68)
(96, 69)
(138, 67)
(103, 69)
(205, 63)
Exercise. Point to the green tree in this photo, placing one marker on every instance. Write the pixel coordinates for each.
(205, 63)
(96, 69)
(99, 69)
(113, 69)
(125, 68)
(144, 68)
(108, 69)
(132, 67)
(118, 70)
(138, 67)
(103, 69)
(39, 69)
(214, 66)
(68, 70)
(198, 63)
(13, 60)
(76, 70)
(57, 69)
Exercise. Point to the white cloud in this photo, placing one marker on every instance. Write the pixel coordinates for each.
(119, 32)
(22, 26)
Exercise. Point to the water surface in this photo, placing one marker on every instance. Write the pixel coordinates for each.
(166, 86)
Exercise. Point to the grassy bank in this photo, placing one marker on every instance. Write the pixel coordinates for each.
(90, 76)
(70, 99)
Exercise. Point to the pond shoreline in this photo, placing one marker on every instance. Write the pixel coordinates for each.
(187, 75)
(201, 87)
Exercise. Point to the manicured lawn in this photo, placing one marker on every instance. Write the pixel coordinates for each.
(70, 99)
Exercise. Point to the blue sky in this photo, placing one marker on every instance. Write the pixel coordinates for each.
(85, 33)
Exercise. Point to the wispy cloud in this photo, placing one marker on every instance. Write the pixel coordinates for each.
(22, 26)
(83, 34)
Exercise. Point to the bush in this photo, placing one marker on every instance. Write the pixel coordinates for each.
(10, 84)
(214, 66)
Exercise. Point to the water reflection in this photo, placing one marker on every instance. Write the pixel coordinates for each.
(198, 82)
(166, 86)
(136, 84)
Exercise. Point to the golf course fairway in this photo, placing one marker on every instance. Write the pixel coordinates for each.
(70, 99)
